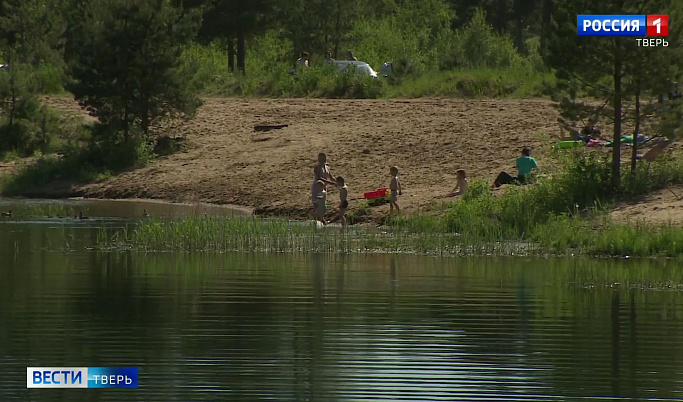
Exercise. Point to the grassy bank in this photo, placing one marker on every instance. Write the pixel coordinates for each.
(562, 214)
(279, 235)
(77, 164)
(559, 236)
(566, 212)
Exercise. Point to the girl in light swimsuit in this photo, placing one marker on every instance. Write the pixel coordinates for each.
(321, 173)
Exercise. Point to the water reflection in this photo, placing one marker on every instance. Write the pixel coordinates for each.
(342, 327)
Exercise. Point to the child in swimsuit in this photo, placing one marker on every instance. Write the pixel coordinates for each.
(395, 188)
(343, 201)
(319, 198)
(461, 185)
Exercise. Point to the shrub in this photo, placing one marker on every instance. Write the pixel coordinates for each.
(99, 159)
(477, 45)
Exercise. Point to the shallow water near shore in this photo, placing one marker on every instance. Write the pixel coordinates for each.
(333, 327)
(38, 209)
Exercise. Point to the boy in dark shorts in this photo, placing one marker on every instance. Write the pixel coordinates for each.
(395, 188)
(343, 201)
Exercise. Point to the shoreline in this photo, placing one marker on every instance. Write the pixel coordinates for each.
(227, 163)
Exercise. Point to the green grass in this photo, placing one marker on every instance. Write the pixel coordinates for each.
(480, 83)
(565, 213)
(561, 236)
(194, 234)
(446, 69)
(10, 156)
(560, 215)
(92, 163)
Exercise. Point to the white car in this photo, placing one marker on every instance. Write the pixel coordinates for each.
(361, 67)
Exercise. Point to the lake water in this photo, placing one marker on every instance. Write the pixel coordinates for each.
(252, 327)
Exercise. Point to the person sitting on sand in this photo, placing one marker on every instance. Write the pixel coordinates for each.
(525, 164)
(461, 184)
(590, 131)
(395, 188)
(343, 201)
(319, 198)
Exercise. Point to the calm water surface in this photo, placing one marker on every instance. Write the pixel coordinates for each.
(252, 327)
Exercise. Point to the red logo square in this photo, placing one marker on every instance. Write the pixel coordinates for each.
(657, 25)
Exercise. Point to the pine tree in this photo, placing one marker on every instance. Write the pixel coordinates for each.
(613, 70)
(232, 20)
(31, 36)
(127, 68)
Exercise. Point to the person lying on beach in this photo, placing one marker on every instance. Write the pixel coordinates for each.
(343, 201)
(395, 187)
(319, 199)
(461, 184)
(589, 132)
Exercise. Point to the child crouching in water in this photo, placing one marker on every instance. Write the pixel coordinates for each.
(343, 201)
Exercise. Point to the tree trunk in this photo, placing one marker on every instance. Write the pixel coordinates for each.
(501, 19)
(616, 140)
(231, 56)
(125, 123)
(636, 132)
(145, 118)
(337, 30)
(240, 51)
(546, 19)
(12, 88)
(12, 107)
(519, 34)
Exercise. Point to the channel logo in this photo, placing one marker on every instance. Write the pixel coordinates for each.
(623, 25)
(81, 377)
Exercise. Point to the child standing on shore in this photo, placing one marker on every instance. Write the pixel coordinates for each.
(343, 201)
(319, 198)
(395, 188)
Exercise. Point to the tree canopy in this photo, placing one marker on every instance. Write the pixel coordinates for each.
(126, 72)
(613, 71)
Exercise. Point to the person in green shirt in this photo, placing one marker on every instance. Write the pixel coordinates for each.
(525, 165)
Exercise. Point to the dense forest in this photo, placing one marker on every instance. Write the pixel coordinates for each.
(134, 63)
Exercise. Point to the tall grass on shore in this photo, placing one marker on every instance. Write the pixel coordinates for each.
(563, 235)
(194, 234)
(564, 213)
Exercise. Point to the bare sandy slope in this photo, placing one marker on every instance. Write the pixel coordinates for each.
(228, 163)
(662, 207)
